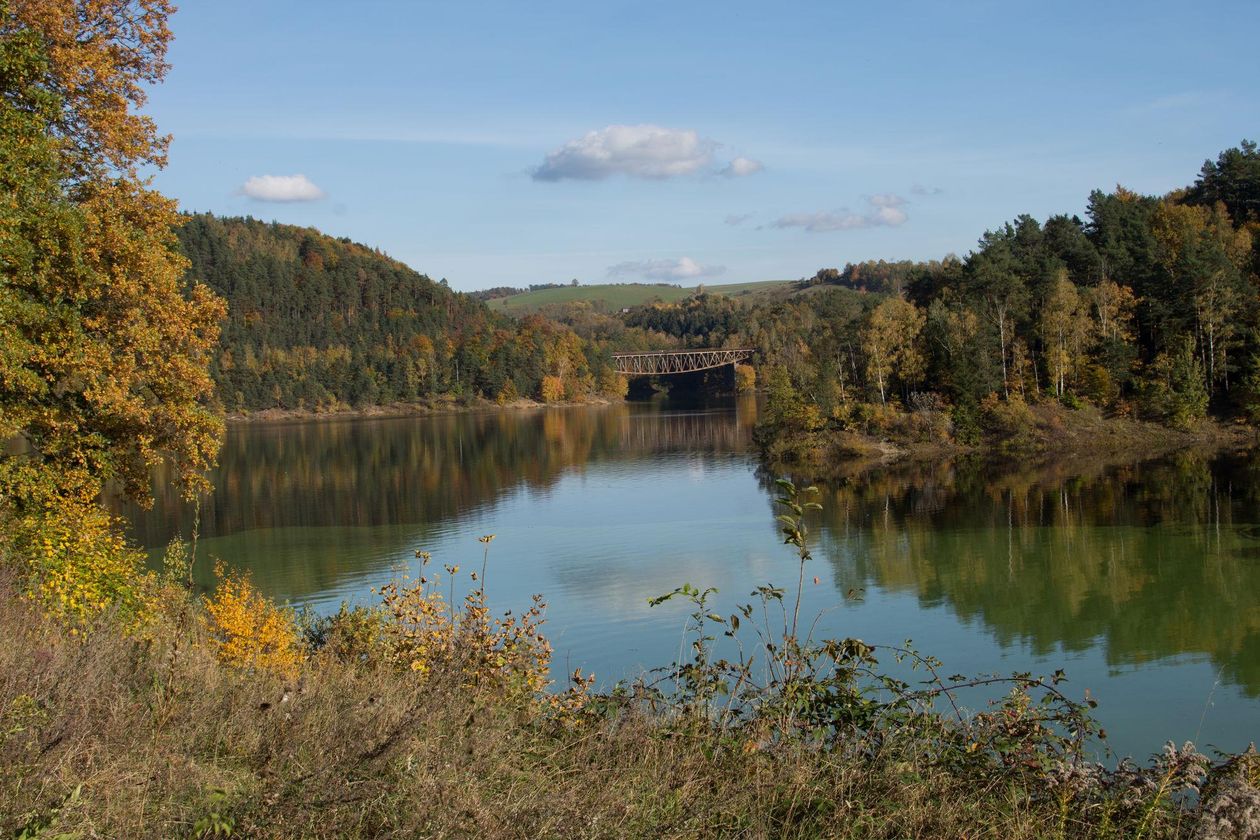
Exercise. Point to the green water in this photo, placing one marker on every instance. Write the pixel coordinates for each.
(1142, 580)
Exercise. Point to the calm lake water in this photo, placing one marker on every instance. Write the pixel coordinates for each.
(1141, 580)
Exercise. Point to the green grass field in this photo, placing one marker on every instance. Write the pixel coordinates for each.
(616, 296)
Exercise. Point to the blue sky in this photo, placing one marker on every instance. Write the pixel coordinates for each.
(480, 141)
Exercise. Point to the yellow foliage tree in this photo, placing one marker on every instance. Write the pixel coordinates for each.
(891, 341)
(552, 389)
(250, 630)
(1113, 307)
(105, 363)
(103, 352)
(1065, 328)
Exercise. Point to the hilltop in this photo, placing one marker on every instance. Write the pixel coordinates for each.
(316, 323)
(613, 297)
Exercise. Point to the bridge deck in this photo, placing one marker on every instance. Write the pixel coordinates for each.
(653, 362)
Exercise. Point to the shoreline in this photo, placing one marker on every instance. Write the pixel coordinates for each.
(393, 410)
(1055, 435)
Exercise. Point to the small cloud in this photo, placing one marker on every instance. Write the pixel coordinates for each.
(884, 211)
(664, 270)
(281, 188)
(638, 151)
(919, 189)
(651, 152)
(741, 166)
(737, 219)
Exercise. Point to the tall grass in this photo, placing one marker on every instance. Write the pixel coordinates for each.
(106, 733)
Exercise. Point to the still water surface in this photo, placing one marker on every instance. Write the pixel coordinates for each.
(1141, 580)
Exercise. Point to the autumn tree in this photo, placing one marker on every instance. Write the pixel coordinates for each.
(891, 341)
(105, 351)
(1064, 328)
(1112, 306)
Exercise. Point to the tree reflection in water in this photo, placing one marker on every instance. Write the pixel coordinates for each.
(1144, 561)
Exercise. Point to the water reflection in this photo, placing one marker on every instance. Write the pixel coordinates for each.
(1142, 578)
(1145, 561)
(282, 491)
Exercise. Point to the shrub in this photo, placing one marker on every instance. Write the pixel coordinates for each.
(1009, 422)
(613, 384)
(70, 556)
(424, 633)
(1098, 385)
(251, 631)
(507, 393)
(745, 378)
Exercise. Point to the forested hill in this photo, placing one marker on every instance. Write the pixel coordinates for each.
(1149, 306)
(321, 323)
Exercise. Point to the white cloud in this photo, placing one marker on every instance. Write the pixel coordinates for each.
(281, 188)
(737, 219)
(919, 189)
(665, 270)
(639, 151)
(884, 211)
(741, 166)
(646, 151)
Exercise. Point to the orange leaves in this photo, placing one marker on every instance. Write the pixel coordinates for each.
(106, 365)
(102, 53)
(250, 630)
(552, 389)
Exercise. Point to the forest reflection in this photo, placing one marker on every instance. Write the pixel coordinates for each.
(1146, 561)
(383, 472)
(1141, 561)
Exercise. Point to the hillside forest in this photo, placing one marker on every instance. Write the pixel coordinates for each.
(1144, 308)
(318, 323)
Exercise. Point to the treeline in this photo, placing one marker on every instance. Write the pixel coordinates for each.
(1147, 307)
(321, 323)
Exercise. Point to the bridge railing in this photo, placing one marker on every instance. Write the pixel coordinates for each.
(656, 362)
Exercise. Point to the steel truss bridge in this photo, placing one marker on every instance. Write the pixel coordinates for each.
(676, 361)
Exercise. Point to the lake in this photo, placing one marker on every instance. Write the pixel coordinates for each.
(1141, 580)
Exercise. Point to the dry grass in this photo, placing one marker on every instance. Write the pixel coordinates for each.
(101, 736)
